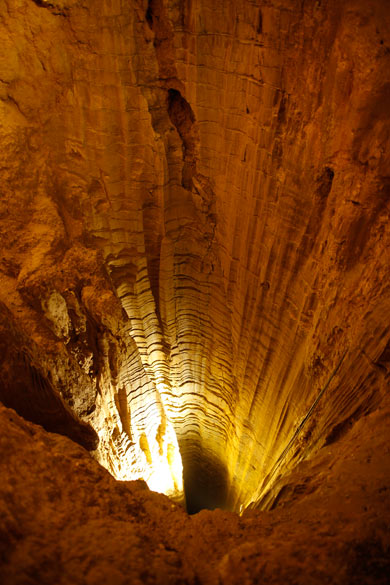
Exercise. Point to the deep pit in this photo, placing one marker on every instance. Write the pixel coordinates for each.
(194, 231)
(205, 485)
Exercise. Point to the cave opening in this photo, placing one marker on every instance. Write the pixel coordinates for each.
(206, 482)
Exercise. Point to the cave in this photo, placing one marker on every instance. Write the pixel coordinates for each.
(195, 292)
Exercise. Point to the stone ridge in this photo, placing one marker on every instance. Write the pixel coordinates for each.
(195, 227)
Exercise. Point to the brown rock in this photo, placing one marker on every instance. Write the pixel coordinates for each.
(64, 519)
(194, 227)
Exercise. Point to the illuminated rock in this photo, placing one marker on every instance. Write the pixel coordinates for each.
(195, 231)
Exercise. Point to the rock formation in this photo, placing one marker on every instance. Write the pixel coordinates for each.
(65, 520)
(194, 270)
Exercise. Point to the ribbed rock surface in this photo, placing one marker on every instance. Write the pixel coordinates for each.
(195, 231)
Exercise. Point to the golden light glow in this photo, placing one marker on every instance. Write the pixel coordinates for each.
(149, 452)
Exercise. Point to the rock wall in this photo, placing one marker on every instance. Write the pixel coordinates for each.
(194, 231)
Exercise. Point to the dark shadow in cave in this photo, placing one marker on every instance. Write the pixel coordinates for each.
(206, 483)
(29, 391)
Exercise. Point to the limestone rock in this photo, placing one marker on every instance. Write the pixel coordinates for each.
(206, 187)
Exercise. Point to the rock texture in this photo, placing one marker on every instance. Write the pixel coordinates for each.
(195, 232)
(65, 520)
(194, 286)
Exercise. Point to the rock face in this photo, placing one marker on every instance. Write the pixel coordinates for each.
(195, 233)
(194, 271)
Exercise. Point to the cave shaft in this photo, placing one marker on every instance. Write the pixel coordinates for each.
(195, 230)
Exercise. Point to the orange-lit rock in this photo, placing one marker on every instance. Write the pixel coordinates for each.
(194, 225)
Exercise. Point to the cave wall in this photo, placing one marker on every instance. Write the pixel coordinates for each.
(194, 230)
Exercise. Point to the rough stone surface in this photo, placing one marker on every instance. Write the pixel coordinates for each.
(65, 520)
(195, 232)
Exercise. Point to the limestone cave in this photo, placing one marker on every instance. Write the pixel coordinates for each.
(195, 292)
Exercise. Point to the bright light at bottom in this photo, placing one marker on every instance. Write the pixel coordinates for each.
(166, 470)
